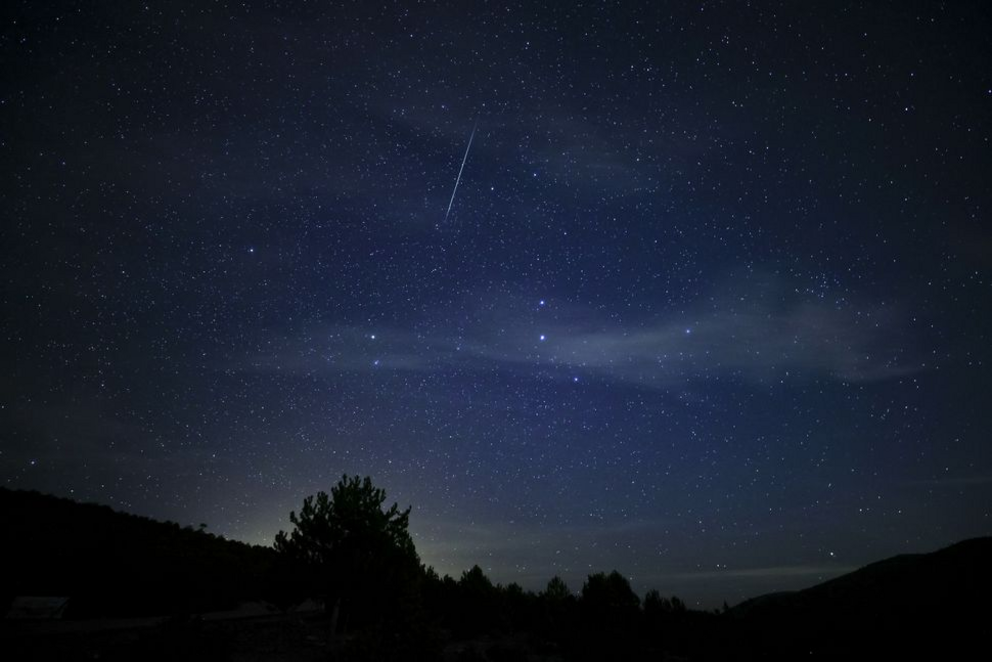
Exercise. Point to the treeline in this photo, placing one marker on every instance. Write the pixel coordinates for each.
(355, 554)
(604, 620)
(113, 564)
(356, 558)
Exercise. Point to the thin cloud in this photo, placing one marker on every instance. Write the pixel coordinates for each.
(771, 572)
(759, 335)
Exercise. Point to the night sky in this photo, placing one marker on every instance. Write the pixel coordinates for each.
(711, 305)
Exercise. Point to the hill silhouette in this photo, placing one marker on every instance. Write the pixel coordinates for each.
(116, 564)
(912, 602)
(953, 575)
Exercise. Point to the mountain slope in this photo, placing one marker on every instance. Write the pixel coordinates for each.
(113, 563)
(956, 575)
(913, 602)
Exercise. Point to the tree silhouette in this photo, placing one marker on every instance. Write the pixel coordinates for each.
(478, 603)
(610, 613)
(358, 556)
(558, 607)
(610, 596)
(557, 590)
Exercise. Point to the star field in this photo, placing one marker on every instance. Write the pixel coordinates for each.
(710, 306)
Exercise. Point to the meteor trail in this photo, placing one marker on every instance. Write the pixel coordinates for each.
(458, 180)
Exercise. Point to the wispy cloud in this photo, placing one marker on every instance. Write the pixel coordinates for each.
(757, 344)
(771, 572)
(759, 333)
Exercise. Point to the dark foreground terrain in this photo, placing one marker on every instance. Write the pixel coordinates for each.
(144, 590)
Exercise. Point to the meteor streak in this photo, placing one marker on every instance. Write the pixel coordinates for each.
(458, 180)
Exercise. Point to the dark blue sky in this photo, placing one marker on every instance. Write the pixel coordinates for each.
(711, 305)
